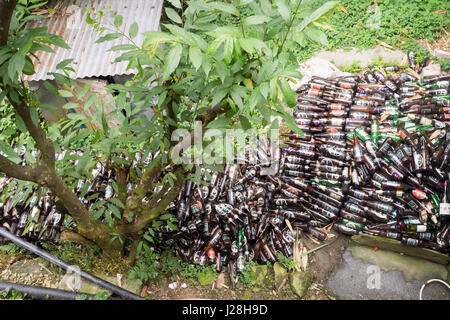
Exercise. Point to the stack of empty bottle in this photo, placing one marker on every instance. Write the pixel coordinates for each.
(31, 212)
(385, 164)
(32, 217)
(373, 159)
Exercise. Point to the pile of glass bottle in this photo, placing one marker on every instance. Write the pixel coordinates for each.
(30, 211)
(374, 159)
(33, 216)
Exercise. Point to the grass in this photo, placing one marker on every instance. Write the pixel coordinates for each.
(88, 258)
(400, 23)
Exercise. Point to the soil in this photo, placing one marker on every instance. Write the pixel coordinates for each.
(320, 264)
(441, 43)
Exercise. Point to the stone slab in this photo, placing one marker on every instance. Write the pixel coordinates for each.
(355, 279)
(345, 57)
(397, 246)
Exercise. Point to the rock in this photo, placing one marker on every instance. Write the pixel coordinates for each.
(220, 280)
(347, 56)
(316, 67)
(29, 267)
(355, 279)
(206, 278)
(258, 274)
(280, 275)
(300, 282)
(432, 70)
(412, 268)
(448, 274)
(397, 246)
(72, 283)
(441, 54)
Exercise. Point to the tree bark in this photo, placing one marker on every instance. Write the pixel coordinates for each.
(6, 12)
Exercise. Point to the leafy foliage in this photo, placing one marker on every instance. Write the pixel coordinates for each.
(286, 262)
(244, 276)
(236, 73)
(400, 21)
(8, 293)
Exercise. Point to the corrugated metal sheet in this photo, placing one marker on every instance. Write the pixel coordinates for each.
(90, 58)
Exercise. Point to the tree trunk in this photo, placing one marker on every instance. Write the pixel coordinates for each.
(97, 232)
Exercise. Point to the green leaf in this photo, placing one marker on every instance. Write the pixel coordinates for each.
(50, 87)
(118, 20)
(109, 37)
(165, 216)
(228, 50)
(115, 187)
(172, 60)
(20, 124)
(175, 3)
(206, 64)
(122, 47)
(324, 9)
(117, 202)
(76, 116)
(133, 30)
(215, 44)
(110, 222)
(219, 94)
(172, 226)
(316, 35)
(225, 7)
(114, 210)
(97, 214)
(63, 64)
(34, 115)
(291, 123)
(219, 123)
(251, 45)
(283, 9)
(15, 66)
(45, 106)
(83, 91)
(65, 93)
(58, 41)
(173, 15)
(12, 156)
(288, 93)
(245, 124)
(256, 19)
(195, 56)
(70, 105)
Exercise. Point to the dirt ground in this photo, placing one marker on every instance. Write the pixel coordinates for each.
(320, 264)
(441, 43)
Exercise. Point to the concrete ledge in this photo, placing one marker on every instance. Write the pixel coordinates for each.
(397, 246)
(412, 268)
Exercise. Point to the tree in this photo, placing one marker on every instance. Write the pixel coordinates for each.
(225, 65)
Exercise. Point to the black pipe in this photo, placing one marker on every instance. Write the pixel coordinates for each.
(85, 275)
(42, 293)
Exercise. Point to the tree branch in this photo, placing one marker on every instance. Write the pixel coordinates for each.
(13, 170)
(153, 212)
(6, 12)
(289, 28)
(43, 142)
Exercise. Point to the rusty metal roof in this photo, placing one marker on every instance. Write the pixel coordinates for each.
(90, 58)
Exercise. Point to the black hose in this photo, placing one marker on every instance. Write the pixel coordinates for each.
(85, 275)
(42, 293)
